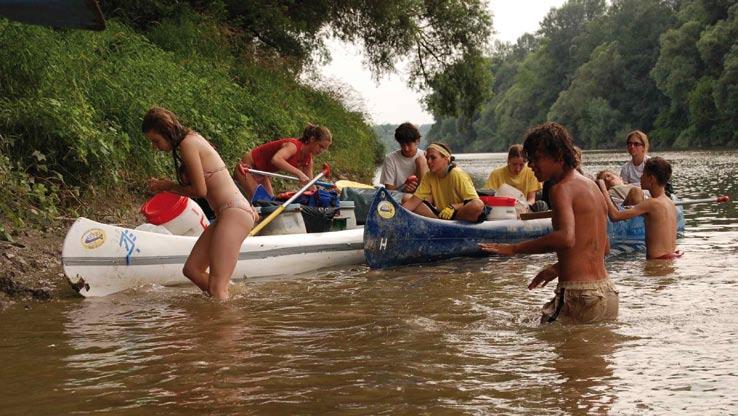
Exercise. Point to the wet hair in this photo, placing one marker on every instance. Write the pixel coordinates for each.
(515, 150)
(641, 136)
(578, 158)
(407, 133)
(659, 168)
(552, 139)
(165, 122)
(316, 133)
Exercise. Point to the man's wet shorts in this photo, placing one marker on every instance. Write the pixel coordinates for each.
(582, 302)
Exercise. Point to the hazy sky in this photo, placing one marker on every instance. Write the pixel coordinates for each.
(390, 100)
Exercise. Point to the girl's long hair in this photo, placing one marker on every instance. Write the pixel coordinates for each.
(165, 122)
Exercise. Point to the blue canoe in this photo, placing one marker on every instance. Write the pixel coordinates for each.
(394, 236)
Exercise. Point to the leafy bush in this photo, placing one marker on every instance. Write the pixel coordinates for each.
(77, 99)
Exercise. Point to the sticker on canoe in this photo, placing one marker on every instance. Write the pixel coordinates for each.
(386, 210)
(93, 238)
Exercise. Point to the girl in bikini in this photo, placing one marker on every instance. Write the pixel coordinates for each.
(294, 156)
(202, 173)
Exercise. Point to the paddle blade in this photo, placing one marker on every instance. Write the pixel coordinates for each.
(326, 170)
(722, 198)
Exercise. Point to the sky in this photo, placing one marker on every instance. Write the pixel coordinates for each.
(390, 100)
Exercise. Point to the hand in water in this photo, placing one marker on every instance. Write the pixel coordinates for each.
(496, 248)
(543, 277)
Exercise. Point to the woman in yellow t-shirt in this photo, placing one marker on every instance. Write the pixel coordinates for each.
(446, 191)
(516, 174)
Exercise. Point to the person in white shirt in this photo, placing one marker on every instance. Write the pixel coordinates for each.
(637, 145)
(404, 168)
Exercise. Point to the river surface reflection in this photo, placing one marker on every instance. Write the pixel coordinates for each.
(458, 337)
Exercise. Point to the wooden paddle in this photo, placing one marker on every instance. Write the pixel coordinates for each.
(281, 208)
(716, 199)
(536, 215)
(245, 169)
(548, 214)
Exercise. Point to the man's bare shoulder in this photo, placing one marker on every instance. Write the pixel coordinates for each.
(662, 202)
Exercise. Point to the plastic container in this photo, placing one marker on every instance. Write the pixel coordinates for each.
(178, 214)
(503, 208)
(288, 222)
(338, 224)
(158, 229)
(347, 211)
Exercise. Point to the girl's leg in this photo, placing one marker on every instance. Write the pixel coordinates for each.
(424, 210)
(197, 263)
(634, 197)
(470, 211)
(231, 230)
(268, 185)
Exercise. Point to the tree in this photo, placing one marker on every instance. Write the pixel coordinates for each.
(443, 40)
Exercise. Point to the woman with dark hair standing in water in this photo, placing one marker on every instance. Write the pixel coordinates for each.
(202, 173)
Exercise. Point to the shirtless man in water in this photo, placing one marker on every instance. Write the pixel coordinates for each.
(659, 212)
(584, 292)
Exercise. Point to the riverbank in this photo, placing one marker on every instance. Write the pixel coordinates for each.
(30, 263)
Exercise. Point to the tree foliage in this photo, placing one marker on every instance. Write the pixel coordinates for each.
(71, 105)
(666, 67)
(443, 41)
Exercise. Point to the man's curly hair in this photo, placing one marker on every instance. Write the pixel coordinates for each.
(551, 139)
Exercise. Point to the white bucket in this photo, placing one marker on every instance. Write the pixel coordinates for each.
(191, 222)
(178, 214)
(502, 213)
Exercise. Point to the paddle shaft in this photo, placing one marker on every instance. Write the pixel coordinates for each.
(282, 207)
(279, 175)
(715, 199)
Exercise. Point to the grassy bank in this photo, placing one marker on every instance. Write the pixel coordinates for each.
(71, 104)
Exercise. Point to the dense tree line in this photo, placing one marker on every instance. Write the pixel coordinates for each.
(668, 67)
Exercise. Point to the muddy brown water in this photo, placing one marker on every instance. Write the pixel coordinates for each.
(458, 337)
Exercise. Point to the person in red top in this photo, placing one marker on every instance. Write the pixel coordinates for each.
(293, 156)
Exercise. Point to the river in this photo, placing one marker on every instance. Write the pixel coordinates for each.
(458, 337)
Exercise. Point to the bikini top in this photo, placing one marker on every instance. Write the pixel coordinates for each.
(209, 173)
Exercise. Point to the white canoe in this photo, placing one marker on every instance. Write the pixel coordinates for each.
(101, 259)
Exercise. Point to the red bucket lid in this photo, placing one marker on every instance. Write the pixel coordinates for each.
(163, 207)
(498, 201)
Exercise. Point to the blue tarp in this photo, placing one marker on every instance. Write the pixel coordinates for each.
(79, 14)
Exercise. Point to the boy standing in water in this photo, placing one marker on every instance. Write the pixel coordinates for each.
(584, 293)
(659, 212)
